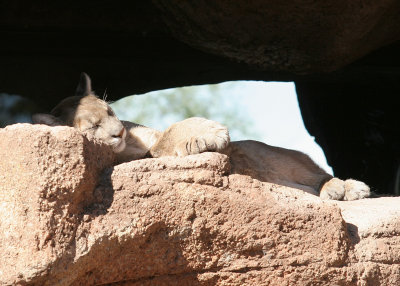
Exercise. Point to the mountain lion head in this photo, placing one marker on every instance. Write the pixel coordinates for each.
(89, 114)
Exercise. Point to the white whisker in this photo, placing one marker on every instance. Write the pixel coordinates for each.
(105, 95)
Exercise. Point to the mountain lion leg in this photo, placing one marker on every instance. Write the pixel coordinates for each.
(191, 136)
(292, 169)
(348, 190)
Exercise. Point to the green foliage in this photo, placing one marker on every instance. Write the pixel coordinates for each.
(162, 108)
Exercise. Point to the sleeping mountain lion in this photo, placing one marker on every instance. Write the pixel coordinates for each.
(94, 117)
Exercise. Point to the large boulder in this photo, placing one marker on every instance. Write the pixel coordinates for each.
(291, 36)
(175, 221)
(47, 176)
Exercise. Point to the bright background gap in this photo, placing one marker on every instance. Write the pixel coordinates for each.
(264, 111)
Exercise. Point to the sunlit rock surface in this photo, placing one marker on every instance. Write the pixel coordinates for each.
(67, 217)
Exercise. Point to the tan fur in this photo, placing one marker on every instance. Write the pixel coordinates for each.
(276, 165)
(290, 168)
(131, 141)
(139, 140)
(191, 136)
(90, 115)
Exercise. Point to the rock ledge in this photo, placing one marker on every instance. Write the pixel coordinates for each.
(175, 221)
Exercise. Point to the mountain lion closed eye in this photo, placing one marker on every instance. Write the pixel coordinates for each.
(95, 118)
(130, 141)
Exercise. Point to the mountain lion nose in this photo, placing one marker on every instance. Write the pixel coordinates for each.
(120, 134)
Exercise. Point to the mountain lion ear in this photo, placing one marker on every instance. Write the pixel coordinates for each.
(46, 119)
(85, 86)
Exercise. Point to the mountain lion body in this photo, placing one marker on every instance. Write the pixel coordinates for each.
(130, 141)
(95, 118)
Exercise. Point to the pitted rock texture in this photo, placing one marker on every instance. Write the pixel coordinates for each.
(47, 175)
(175, 221)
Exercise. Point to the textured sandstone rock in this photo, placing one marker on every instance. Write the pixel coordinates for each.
(46, 176)
(175, 221)
(296, 36)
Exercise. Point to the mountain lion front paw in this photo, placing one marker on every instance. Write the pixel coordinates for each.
(191, 136)
(209, 136)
